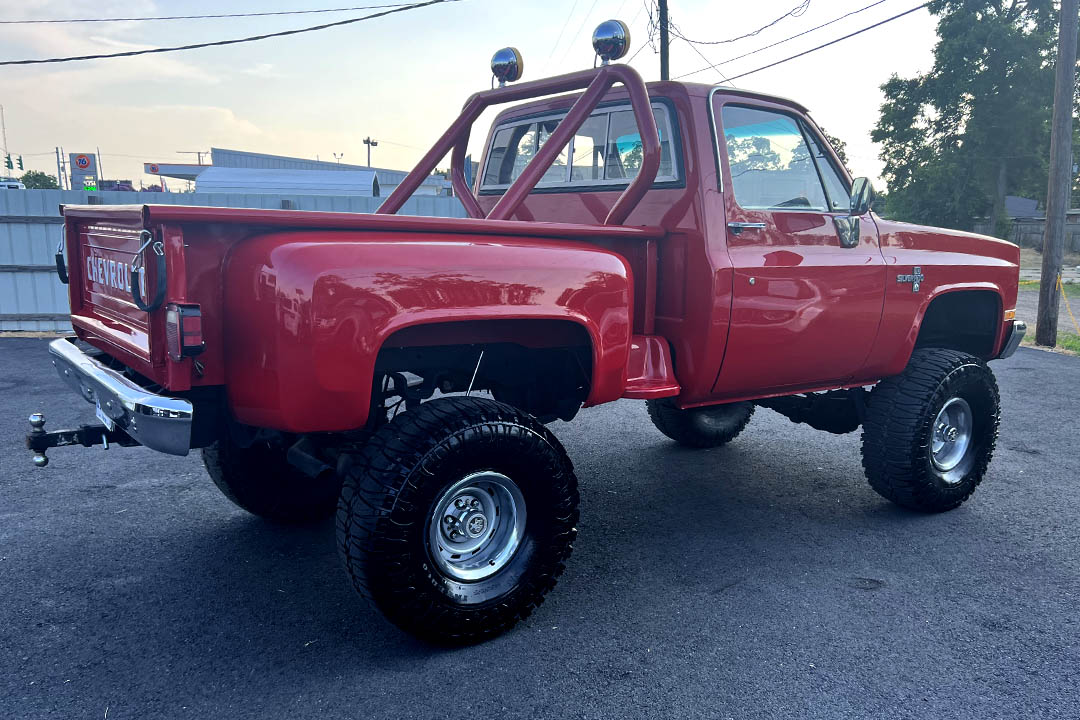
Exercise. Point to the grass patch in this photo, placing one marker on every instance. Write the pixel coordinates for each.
(1071, 289)
(1066, 342)
(1030, 259)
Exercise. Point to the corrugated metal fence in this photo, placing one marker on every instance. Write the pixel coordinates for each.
(32, 297)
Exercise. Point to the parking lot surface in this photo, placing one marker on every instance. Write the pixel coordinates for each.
(760, 580)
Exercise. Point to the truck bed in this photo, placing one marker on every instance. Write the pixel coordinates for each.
(102, 241)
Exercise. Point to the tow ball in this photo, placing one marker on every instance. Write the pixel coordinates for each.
(38, 440)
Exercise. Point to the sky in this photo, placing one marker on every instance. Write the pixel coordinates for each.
(399, 79)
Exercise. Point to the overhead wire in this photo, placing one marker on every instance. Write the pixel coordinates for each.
(781, 42)
(831, 42)
(796, 11)
(151, 18)
(563, 30)
(220, 43)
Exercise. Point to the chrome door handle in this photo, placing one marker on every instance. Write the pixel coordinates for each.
(738, 227)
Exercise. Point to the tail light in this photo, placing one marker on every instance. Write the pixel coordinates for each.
(183, 331)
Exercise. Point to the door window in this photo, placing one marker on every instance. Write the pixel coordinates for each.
(770, 163)
(836, 188)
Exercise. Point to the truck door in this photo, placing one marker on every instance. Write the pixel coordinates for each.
(805, 310)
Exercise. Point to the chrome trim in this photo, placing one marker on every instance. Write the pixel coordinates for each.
(738, 227)
(759, 96)
(160, 423)
(1012, 340)
(716, 137)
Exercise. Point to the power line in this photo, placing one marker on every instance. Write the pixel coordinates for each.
(218, 43)
(831, 42)
(565, 23)
(578, 33)
(200, 17)
(796, 11)
(781, 42)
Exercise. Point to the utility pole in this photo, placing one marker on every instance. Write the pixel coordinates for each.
(59, 172)
(3, 129)
(664, 74)
(1060, 182)
(370, 144)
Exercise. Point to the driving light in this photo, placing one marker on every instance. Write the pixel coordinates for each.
(611, 40)
(507, 65)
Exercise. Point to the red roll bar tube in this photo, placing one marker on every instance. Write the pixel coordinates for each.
(596, 83)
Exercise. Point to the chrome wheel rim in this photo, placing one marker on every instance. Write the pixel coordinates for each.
(476, 526)
(951, 436)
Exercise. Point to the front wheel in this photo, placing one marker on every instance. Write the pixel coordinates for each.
(456, 518)
(929, 433)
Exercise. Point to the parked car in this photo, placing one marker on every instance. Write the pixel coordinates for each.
(701, 248)
(10, 183)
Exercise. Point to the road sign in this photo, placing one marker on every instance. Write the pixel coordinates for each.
(83, 168)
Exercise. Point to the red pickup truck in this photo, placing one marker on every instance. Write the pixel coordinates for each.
(700, 248)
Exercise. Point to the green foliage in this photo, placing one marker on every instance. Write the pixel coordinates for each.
(37, 180)
(985, 103)
(838, 145)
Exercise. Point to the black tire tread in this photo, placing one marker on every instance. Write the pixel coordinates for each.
(378, 484)
(893, 438)
(680, 425)
(261, 482)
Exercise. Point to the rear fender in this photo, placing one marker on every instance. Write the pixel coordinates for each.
(307, 313)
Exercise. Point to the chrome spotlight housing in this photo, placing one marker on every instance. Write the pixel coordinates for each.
(611, 40)
(507, 65)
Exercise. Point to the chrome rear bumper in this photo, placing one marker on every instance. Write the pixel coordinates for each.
(1013, 338)
(160, 423)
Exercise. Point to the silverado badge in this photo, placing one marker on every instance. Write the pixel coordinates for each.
(914, 278)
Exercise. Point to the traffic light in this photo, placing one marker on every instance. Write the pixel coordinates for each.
(20, 162)
(7, 162)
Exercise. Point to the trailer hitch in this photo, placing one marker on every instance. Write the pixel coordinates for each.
(38, 440)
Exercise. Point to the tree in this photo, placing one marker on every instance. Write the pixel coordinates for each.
(37, 180)
(958, 139)
(838, 145)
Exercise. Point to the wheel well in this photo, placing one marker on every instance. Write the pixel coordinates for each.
(543, 367)
(965, 320)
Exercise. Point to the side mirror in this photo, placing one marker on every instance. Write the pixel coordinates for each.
(862, 195)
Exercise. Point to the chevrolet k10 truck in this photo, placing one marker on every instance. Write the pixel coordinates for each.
(700, 248)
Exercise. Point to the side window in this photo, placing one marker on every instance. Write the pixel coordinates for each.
(770, 162)
(836, 189)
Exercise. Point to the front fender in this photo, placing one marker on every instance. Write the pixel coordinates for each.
(306, 313)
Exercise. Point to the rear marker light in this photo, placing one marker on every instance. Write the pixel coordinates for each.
(183, 331)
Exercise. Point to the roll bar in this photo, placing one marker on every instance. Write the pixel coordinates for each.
(596, 83)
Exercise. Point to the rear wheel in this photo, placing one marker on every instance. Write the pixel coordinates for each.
(702, 427)
(260, 480)
(457, 517)
(929, 433)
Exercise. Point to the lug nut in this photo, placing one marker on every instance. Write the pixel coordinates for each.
(460, 503)
(475, 503)
(449, 519)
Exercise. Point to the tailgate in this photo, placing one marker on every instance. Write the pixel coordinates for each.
(102, 244)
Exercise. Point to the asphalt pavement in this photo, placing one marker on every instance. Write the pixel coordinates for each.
(760, 580)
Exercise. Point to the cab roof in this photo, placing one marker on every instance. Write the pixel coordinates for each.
(656, 89)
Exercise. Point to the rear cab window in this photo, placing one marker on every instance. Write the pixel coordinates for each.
(605, 151)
